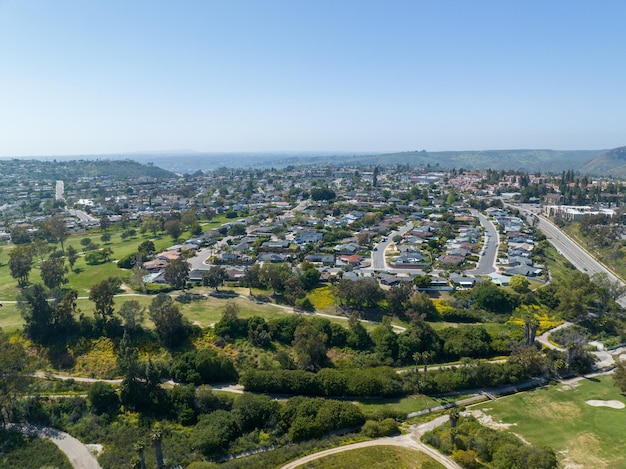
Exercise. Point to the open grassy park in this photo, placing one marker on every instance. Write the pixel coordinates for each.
(559, 416)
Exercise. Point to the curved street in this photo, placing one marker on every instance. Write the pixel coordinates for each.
(79, 455)
(409, 441)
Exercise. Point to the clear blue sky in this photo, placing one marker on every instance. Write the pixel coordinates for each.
(89, 77)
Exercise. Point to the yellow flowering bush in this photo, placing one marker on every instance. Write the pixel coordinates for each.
(99, 360)
(546, 321)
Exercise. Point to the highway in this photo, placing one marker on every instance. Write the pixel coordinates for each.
(569, 249)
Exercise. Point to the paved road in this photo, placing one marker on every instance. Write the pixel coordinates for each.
(76, 452)
(544, 339)
(487, 262)
(410, 441)
(378, 255)
(83, 216)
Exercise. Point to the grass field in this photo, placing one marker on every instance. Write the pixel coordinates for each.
(375, 457)
(403, 406)
(558, 416)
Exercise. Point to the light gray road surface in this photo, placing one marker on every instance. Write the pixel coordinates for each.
(76, 452)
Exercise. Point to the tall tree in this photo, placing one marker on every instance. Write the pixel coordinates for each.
(15, 368)
(173, 228)
(132, 313)
(37, 313)
(309, 344)
(168, 320)
(72, 256)
(55, 225)
(103, 294)
(53, 272)
(214, 277)
(177, 273)
(20, 264)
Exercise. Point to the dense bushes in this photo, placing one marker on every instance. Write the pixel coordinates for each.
(328, 382)
(478, 374)
(297, 419)
(203, 367)
(469, 442)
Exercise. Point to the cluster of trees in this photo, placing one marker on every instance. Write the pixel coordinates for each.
(52, 317)
(282, 280)
(472, 445)
(295, 420)
(327, 382)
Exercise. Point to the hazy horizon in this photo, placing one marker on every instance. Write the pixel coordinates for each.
(91, 78)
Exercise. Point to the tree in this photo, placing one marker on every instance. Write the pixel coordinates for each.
(519, 283)
(214, 277)
(576, 295)
(39, 248)
(398, 296)
(106, 253)
(531, 324)
(20, 235)
(102, 294)
(359, 294)
(493, 298)
(420, 307)
(274, 276)
(16, 367)
(188, 217)
(177, 273)
(230, 325)
(173, 228)
(55, 225)
(105, 222)
(156, 437)
(20, 264)
(132, 313)
(619, 376)
(37, 313)
(309, 344)
(422, 281)
(607, 289)
(146, 249)
(53, 272)
(72, 256)
(168, 320)
(152, 224)
(102, 398)
(310, 278)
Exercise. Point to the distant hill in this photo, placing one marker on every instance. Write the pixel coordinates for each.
(608, 163)
(523, 160)
(65, 168)
(553, 161)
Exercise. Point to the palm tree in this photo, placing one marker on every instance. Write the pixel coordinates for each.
(139, 447)
(156, 436)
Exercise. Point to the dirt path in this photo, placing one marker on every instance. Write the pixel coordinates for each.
(410, 441)
(76, 452)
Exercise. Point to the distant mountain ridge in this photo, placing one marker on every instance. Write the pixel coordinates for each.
(592, 162)
(609, 162)
(65, 168)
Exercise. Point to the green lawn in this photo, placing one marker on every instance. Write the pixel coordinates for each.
(559, 417)
(404, 405)
(378, 457)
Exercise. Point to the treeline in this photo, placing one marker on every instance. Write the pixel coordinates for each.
(328, 382)
(215, 425)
